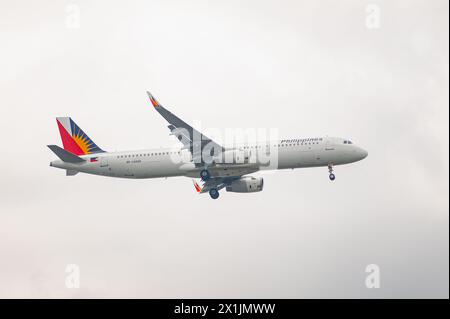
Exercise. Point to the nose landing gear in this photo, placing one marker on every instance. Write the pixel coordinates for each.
(330, 170)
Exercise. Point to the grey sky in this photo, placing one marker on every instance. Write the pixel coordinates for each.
(308, 68)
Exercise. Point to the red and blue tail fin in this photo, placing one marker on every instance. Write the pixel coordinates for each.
(74, 139)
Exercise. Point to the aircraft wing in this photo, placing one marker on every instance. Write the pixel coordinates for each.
(191, 139)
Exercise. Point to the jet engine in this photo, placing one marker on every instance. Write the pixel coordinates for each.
(247, 184)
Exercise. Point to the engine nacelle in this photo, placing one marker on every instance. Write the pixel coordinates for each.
(247, 184)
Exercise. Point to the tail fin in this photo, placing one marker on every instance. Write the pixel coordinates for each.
(74, 139)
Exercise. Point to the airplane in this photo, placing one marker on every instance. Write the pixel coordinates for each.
(199, 156)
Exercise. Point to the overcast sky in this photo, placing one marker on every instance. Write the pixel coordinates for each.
(307, 68)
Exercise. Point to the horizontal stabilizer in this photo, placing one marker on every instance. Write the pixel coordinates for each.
(64, 155)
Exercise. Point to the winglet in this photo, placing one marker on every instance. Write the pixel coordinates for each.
(153, 100)
(197, 187)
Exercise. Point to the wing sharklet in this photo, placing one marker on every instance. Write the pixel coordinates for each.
(197, 187)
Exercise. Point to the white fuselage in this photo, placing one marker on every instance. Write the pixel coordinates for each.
(168, 162)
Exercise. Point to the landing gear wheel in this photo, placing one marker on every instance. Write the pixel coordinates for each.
(204, 175)
(330, 170)
(214, 193)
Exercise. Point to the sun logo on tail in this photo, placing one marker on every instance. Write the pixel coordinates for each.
(83, 142)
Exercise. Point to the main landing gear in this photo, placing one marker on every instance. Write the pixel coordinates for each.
(204, 175)
(330, 170)
(214, 193)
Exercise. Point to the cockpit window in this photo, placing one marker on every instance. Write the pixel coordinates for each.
(348, 142)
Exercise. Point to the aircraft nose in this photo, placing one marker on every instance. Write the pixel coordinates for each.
(363, 153)
(359, 153)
